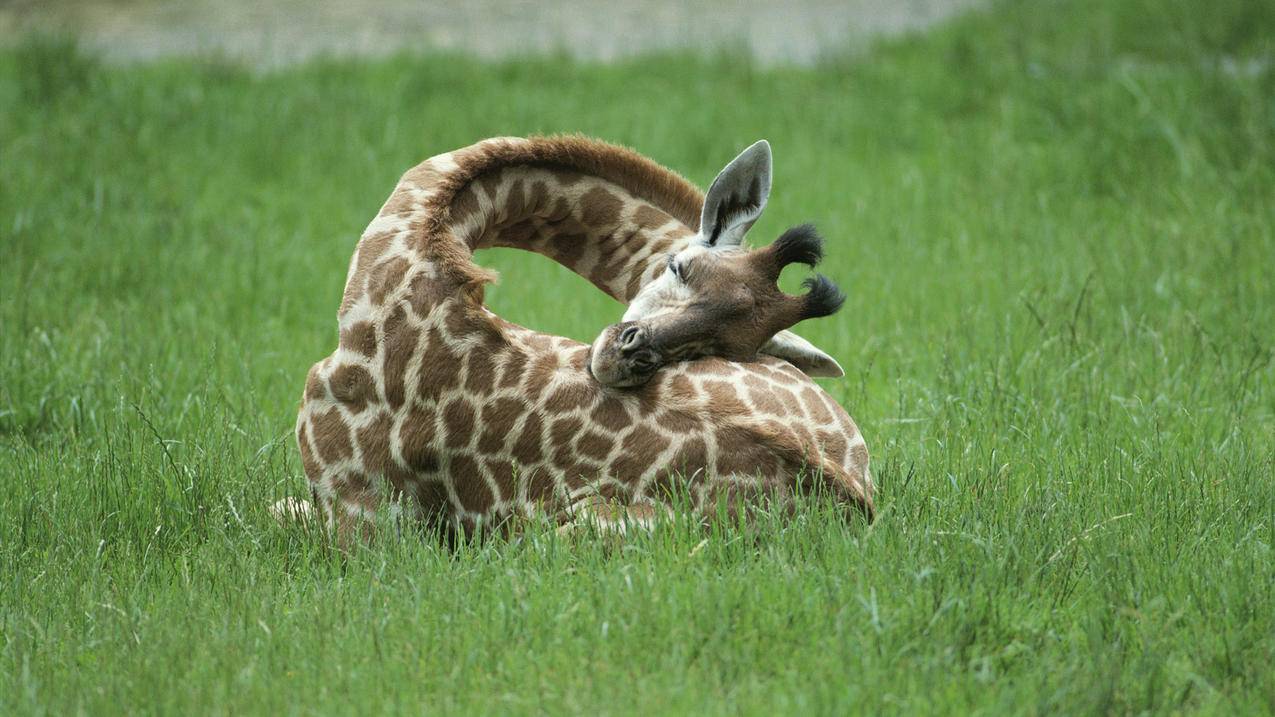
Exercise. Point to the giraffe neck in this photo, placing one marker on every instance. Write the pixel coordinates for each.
(593, 226)
(604, 212)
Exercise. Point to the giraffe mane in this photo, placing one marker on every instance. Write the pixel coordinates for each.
(640, 176)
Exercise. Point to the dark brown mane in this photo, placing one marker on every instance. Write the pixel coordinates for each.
(621, 166)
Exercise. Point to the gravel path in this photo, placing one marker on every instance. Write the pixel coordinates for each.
(271, 33)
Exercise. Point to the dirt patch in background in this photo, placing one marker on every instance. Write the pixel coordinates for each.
(287, 31)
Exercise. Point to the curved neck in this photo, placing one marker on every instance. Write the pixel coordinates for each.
(605, 212)
(597, 228)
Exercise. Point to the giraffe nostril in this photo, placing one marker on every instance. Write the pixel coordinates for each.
(630, 338)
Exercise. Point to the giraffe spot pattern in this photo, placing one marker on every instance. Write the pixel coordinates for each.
(528, 448)
(315, 389)
(480, 372)
(458, 423)
(469, 439)
(308, 462)
(331, 436)
(352, 385)
(471, 486)
(416, 439)
(359, 337)
(385, 278)
(400, 343)
(440, 368)
(594, 445)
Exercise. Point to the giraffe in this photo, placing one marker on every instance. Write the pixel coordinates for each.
(433, 405)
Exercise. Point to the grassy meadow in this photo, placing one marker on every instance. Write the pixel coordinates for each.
(1056, 226)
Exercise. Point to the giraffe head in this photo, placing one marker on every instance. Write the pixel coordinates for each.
(716, 298)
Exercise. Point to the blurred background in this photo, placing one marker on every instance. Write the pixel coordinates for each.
(283, 31)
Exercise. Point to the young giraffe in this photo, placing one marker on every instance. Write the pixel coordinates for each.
(433, 402)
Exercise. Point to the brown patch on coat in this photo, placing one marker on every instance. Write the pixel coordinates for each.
(480, 373)
(834, 445)
(564, 430)
(511, 370)
(401, 202)
(386, 277)
(368, 253)
(788, 399)
(600, 208)
(692, 456)
(315, 389)
(527, 448)
(425, 294)
(458, 423)
(308, 463)
(416, 441)
(400, 345)
(744, 452)
(570, 396)
(502, 472)
(352, 385)
(464, 206)
(637, 451)
(355, 486)
(374, 451)
(650, 217)
(537, 196)
(723, 399)
(577, 358)
(541, 487)
(360, 337)
(843, 418)
(497, 420)
(471, 486)
(515, 201)
(859, 455)
(542, 369)
(611, 414)
(679, 389)
(632, 288)
(489, 182)
(567, 249)
(762, 397)
(678, 421)
(815, 405)
(440, 368)
(594, 445)
(331, 436)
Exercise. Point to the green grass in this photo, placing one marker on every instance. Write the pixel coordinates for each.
(1056, 224)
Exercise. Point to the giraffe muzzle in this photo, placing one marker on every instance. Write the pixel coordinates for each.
(623, 356)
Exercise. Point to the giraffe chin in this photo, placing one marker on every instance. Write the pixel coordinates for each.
(614, 362)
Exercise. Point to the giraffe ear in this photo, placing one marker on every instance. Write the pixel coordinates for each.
(802, 354)
(736, 198)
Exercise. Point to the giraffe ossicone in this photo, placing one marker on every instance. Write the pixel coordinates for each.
(434, 404)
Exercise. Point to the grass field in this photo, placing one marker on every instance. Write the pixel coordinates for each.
(1056, 225)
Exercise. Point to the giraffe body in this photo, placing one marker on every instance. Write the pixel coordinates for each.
(462, 418)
